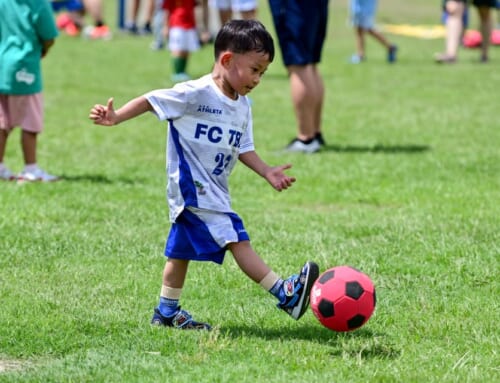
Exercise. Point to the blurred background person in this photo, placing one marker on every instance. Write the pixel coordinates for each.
(454, 25)
(301, 28)
(229, 9)
(27, 32)
(133, 25)
(363, 20)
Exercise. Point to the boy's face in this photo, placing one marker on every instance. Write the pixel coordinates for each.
(244, 70)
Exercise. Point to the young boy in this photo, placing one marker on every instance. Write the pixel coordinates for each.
(363, 20)
(210, 128)
(27, 31)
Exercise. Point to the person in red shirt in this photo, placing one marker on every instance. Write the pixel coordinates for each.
(183, 36)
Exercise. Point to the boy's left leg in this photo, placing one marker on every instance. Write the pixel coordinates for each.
(169, 312)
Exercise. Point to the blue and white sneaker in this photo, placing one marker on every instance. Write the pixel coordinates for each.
(297, 289)
(181, 320)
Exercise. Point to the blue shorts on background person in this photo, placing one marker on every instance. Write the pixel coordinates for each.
(70, 5)
(363, 20)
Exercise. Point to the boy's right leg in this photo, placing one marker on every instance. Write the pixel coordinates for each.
(297, 289)
(292, 293)
(5, 174)
(169, 313)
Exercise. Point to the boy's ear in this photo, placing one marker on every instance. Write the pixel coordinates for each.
(226, 58)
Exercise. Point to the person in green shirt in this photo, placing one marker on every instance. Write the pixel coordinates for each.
(27, 31)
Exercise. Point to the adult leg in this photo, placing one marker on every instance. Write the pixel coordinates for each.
(485, 29)
(249, 15)
(135, 13)
(307, 92)
(454, 27)
(225, 15)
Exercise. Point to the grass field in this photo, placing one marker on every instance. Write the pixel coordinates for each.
(408, 190)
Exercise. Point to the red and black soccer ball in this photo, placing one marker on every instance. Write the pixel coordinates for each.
(343, 298)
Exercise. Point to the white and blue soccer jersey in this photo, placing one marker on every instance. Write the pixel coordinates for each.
(207, 132)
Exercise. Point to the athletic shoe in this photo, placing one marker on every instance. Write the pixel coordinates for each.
(37, 175)
(320, 138)
(357, 59)
(7, 175)
(392, 54)
(297, 289)
(182, 320)
(156, 46)
(72, 29)
(132, 29)
(147, 30)
(97, 33)
(442, 58)
(62, 20)
(303, 147)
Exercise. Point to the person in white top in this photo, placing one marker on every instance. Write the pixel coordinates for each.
(210, 129)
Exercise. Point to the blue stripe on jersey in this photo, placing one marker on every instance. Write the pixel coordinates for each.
(186, 182)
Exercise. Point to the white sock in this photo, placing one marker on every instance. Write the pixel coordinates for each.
(30, 168)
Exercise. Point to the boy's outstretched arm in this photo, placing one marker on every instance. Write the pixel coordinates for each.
(106, 114)
(275, 175)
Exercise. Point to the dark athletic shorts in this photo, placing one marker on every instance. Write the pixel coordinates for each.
(301, 29)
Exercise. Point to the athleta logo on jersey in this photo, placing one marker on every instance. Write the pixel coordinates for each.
(208, 109)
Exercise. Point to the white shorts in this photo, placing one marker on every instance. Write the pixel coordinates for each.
(234, 5)
(185, 40)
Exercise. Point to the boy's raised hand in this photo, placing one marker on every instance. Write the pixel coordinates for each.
(103, 115)
(278, 179)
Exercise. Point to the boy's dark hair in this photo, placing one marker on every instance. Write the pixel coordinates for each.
(242, 36)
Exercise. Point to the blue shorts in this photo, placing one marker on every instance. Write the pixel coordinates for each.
(70, 5)
(363, 13)
(301, 29)
(201, 235)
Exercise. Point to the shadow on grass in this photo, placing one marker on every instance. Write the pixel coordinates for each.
(100, 179)
(372, 345)
(388, 149)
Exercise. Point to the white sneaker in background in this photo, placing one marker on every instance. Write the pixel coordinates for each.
(37, 175)
(7, 175)
(301, 147)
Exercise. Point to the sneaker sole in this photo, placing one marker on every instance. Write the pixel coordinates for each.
(312, 275)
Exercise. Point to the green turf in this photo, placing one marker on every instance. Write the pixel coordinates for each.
(408, 190)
